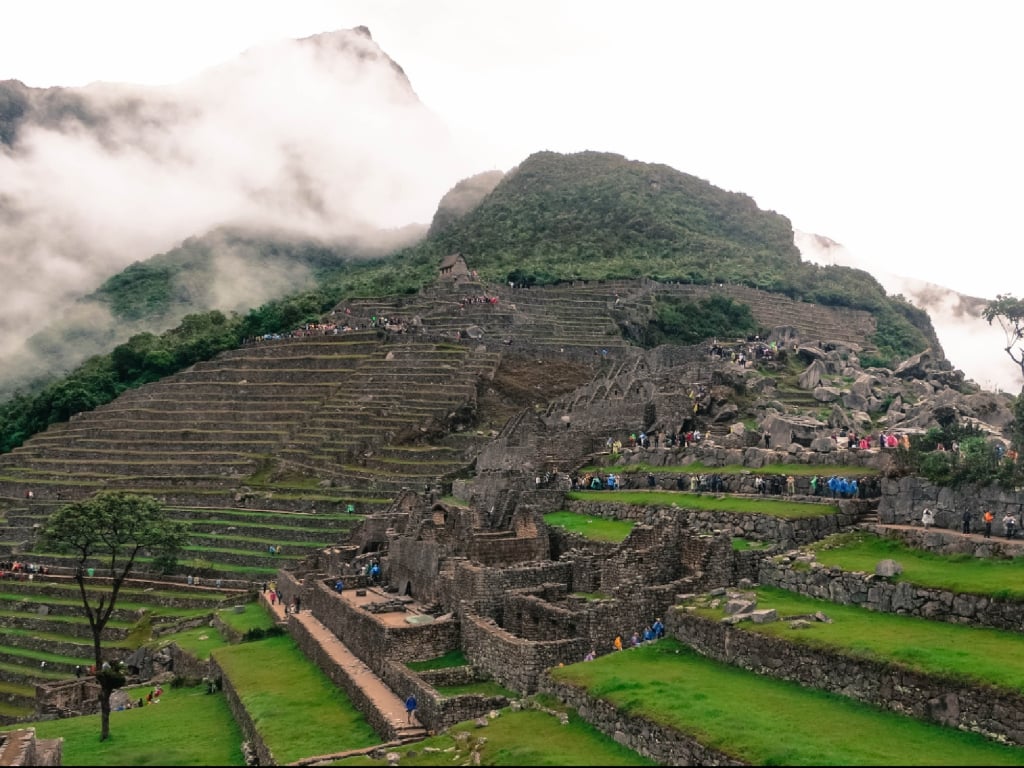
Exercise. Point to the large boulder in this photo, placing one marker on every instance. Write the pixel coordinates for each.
(915, 367)
(826, 394)
(812, 375)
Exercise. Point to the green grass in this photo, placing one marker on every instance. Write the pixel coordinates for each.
(764, 721)
(739, 544)
(791, 510)
(861, 551)
(202, 641)
(990, 657)
(187, 727)
(298, 711)
(526, 737)
(456, 658)
(483, 687)
(594, 528)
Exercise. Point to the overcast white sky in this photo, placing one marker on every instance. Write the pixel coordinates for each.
(894, 128)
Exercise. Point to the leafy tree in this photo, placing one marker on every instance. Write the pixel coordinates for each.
(1009, 312)
(111, 529)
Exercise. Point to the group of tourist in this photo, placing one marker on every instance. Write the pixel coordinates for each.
(742, 353)
(594, 481)
(15, 569)
(1010, 522)
(652, 632)
(658, 439)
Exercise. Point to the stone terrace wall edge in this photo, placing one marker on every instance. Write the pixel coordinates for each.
(877, 594)
(659, 743)
(947, 701)
(250, 733)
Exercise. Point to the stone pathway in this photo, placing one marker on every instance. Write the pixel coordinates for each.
(384, 700)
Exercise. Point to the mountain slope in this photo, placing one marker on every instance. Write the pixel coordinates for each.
(561, 216)
(95, 179)
(594, 215)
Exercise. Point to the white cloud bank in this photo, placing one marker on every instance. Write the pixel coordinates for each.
(967, 339)
(324, 138)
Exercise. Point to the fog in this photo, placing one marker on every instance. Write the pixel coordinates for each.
(324, 138)
(970, 343)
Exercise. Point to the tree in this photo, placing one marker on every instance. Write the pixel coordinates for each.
(1009, 311)
(111, 530)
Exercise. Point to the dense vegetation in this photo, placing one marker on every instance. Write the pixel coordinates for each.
(956, 453)
(555, 217)
(678, 321)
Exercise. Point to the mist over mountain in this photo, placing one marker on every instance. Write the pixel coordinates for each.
(968, 340)
(321, 139)
(254, 177)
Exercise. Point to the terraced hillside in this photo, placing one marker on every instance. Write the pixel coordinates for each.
(276, 451)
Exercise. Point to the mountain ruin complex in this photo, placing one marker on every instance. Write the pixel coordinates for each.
(430, 433)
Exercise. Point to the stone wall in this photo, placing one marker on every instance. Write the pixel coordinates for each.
(661, 744)
(341, 678)
(951, 702)
(943, 543)
(716, 452)
(184, 664)
(413, 566)
(68, 698)
(512, 661)
(374, 642)
(904, 499)
(785, 533)
(484, 588)
(796, 573)
(21, 747)
(250, 733)
(436, 712)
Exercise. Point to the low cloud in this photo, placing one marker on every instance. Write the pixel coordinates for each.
(323, 138)
(967, 339)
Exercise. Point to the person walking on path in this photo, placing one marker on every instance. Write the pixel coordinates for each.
(988, 517)
(965, 521)
(410, 707)
(927, 518)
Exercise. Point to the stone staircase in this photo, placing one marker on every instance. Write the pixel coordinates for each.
(366, 688)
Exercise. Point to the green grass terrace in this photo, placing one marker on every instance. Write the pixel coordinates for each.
(975, 655)
(760, 720)
(774, 507)
(860, 551)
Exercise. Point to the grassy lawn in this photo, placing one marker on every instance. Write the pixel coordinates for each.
(201, 641)
(740, 544)
(483, 687)
(526, 737)
(861, 551)
(456, 658)
(711, 502)
(991, 657)
(187, 727)
(594, 528)
(299, 712)
(763, 721)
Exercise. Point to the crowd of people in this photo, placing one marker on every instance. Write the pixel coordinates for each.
(652, 632)
(15, 569)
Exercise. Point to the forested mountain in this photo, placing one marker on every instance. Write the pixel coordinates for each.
(299, 237)
(595, 215)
